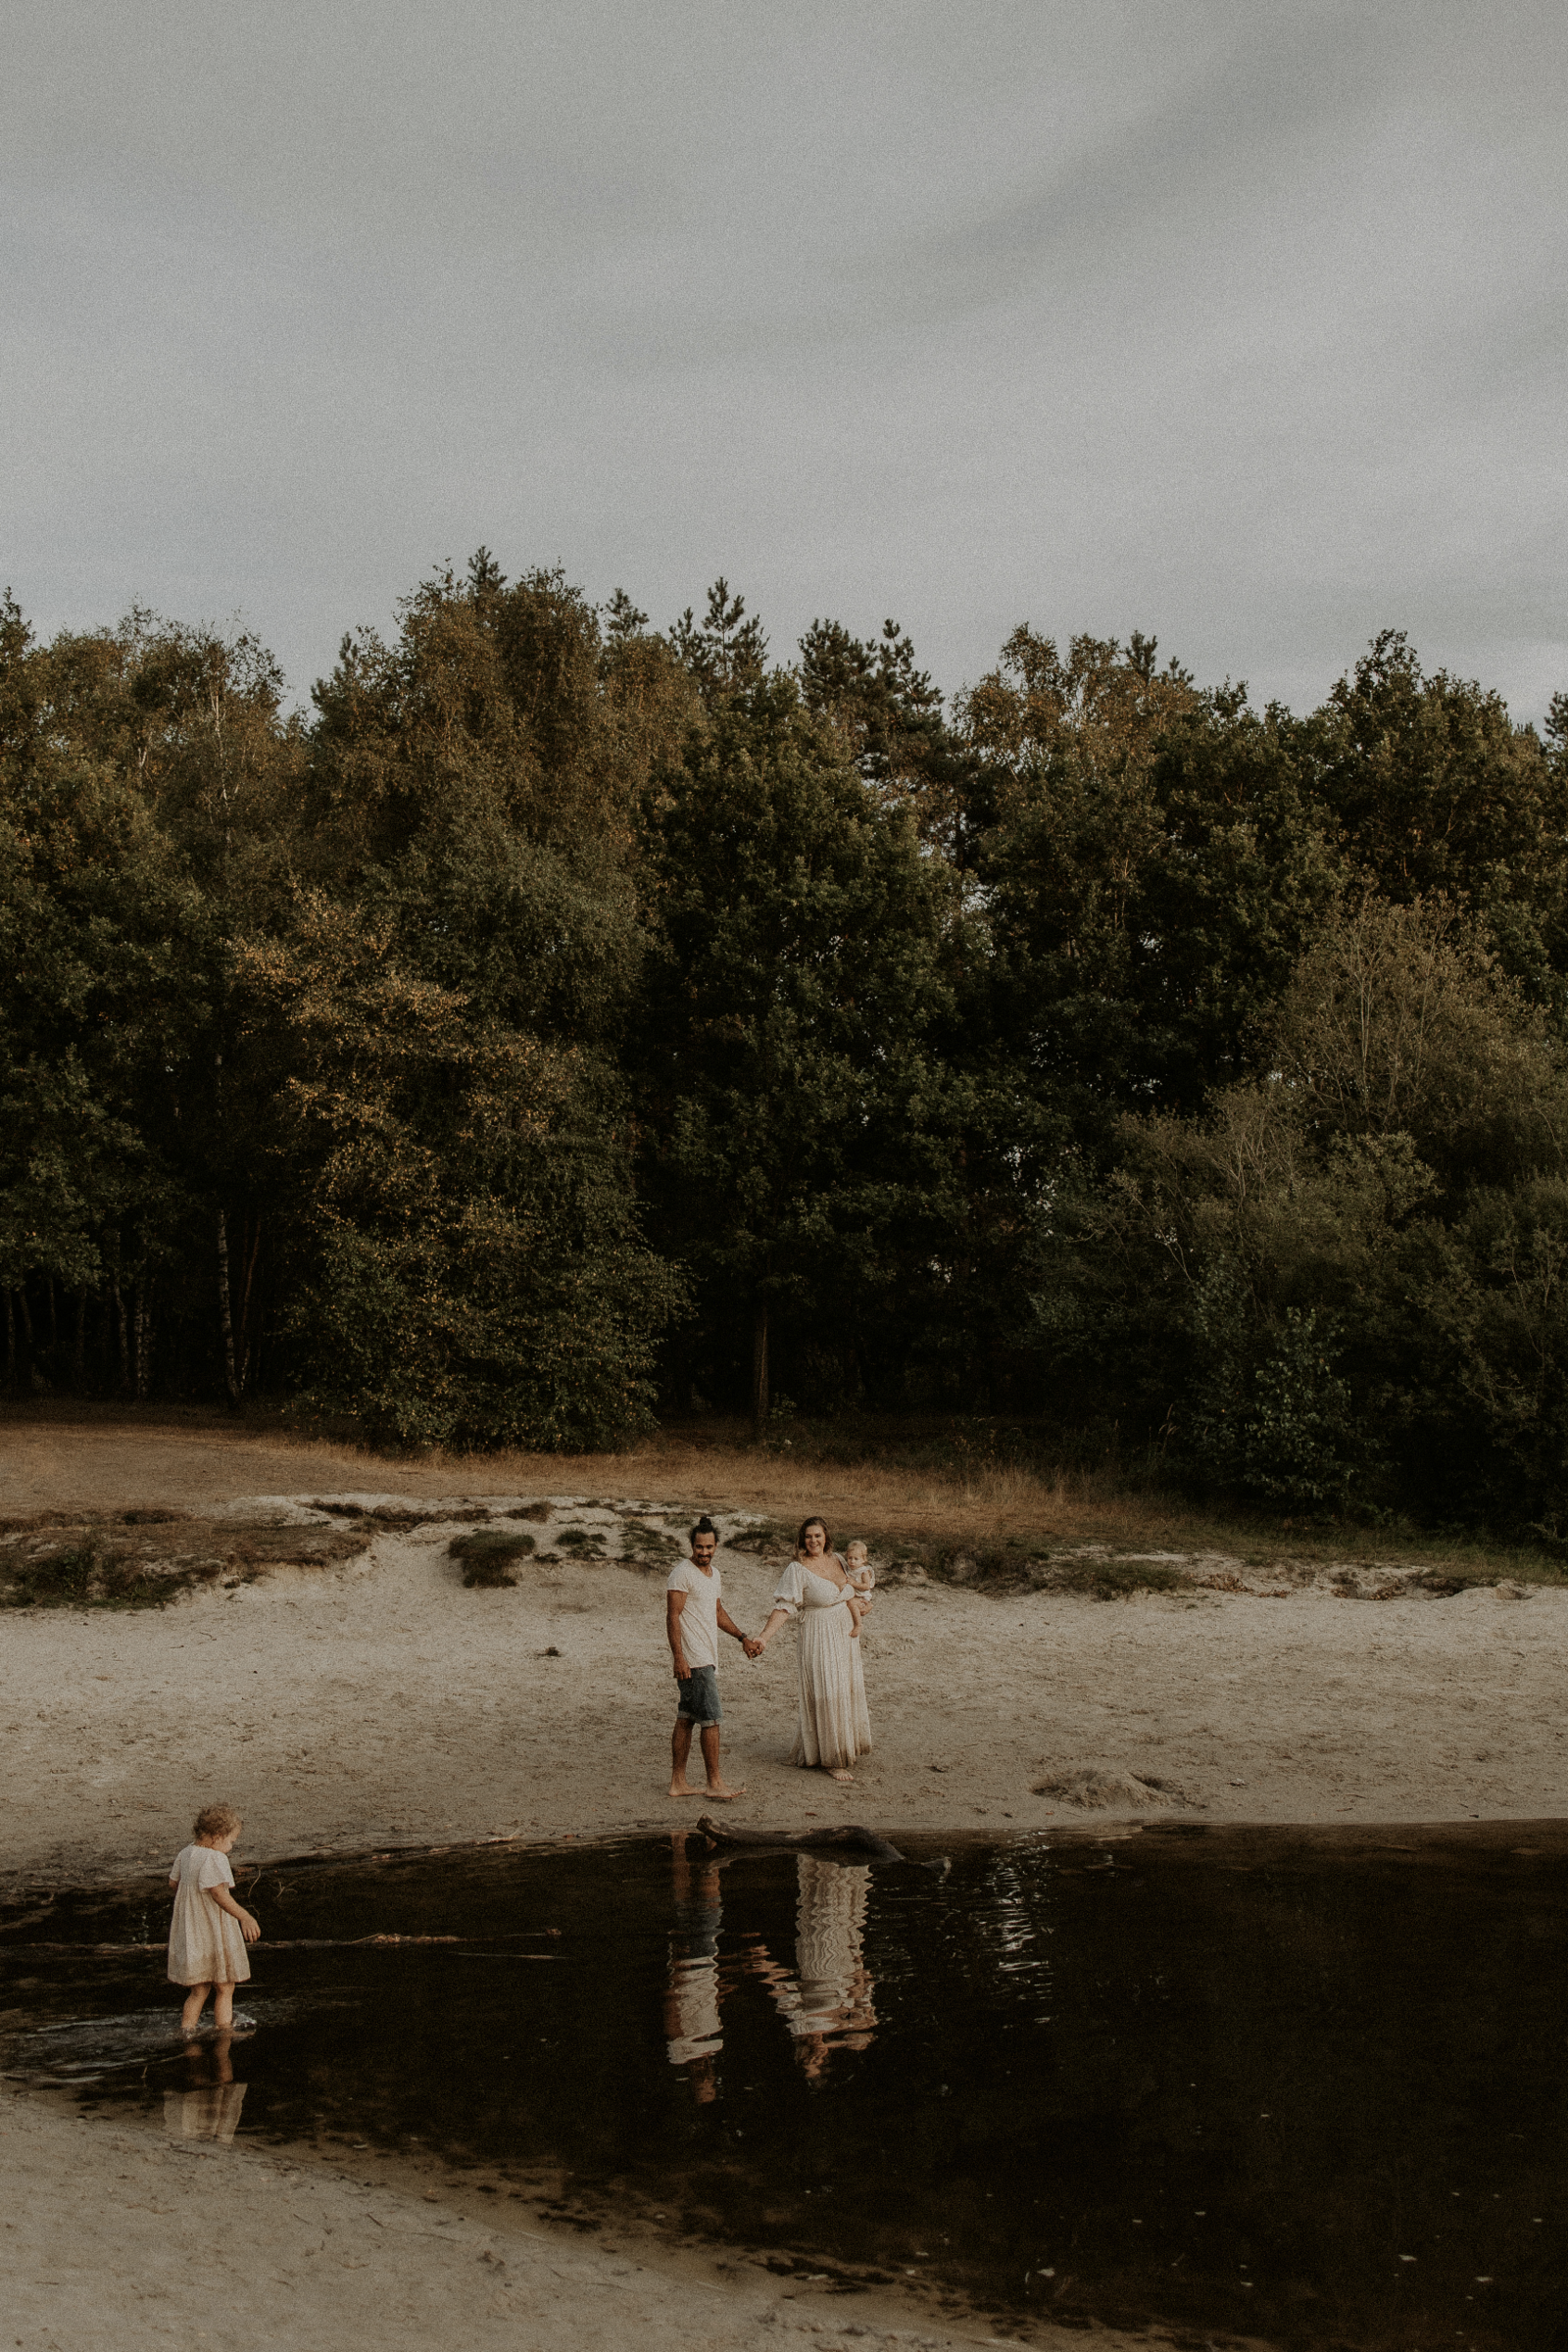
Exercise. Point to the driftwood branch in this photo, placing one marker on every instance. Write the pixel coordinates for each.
(851, 1839)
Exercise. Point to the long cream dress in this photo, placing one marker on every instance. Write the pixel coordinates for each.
(205, 1945)
(835, 1725)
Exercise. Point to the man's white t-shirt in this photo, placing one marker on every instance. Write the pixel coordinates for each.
(699, 1619)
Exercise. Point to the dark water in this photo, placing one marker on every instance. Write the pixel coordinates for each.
(1305, 2087)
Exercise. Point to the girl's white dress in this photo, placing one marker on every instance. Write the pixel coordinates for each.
(835, 1725)
(205, 1945)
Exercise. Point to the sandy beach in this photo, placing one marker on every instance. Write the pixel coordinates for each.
(377, 1701)
(380, 1702)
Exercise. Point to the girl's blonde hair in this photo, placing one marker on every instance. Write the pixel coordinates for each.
(216, 1821)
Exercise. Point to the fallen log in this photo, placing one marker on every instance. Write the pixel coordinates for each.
(852, 1839)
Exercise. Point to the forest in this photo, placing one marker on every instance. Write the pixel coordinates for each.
(565, 1024)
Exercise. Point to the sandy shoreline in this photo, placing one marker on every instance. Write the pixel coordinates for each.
(116, 2239)
(380, 1702)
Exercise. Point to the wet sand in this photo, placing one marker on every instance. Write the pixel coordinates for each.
(114, 2240)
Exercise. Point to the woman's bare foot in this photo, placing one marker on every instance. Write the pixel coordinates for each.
(724, 1794)
(839, 1774)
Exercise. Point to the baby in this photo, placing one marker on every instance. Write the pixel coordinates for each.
(862, 1579)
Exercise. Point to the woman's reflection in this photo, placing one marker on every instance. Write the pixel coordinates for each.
(827, 2005)
(208, 2109)
(825, 2001)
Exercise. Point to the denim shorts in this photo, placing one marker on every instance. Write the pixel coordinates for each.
(699, 1696)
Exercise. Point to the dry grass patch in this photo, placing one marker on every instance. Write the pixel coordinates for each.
(934, 1482)
(143, 1559)
(487, 1557)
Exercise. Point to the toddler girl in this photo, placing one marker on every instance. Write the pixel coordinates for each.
(209, 1931)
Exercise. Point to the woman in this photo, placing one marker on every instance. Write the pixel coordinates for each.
(834, 1725)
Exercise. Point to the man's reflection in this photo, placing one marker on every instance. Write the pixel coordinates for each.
(208, 2108)
(692, 2029)
(825, 2001)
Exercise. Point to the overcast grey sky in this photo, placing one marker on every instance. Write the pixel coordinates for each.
(1241, 323)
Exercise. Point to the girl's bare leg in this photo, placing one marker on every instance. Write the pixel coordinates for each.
(222, 2006)
(195, 2003)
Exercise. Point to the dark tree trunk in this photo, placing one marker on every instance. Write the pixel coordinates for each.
(120, 1330)
(762, 1396)
(245, 1347)
(78, 1362)
(26, 1321)
(226, 1313)
(142, 1326)
(54, 1319)
(11, 1338)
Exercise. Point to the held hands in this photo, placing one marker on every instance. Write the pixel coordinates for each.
(754, 1645)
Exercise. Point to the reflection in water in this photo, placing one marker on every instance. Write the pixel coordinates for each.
(828, 2003)
(692, 2029)
(826, 1999)
(210, 2107)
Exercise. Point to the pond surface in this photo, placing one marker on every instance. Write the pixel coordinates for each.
(1305, 2087)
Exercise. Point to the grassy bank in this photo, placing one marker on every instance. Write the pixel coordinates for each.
(946, 1491)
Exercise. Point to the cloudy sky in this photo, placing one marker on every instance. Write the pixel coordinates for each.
(1245, 324)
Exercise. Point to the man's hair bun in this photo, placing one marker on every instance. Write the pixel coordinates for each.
(705, 1527)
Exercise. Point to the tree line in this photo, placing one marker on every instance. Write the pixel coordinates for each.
(567, 1022)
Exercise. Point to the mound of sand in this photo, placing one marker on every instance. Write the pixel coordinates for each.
(1101, 1787)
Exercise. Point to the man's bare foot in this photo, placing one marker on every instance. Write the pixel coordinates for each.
(724, 1796)
(685, 1788)
(841, 1775)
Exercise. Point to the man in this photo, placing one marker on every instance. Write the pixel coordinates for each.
(694, 1614)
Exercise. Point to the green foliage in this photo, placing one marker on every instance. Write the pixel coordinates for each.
(562, 1012)
(1343, 1281)
(1300, 1442)
(1438, 795)
(794, 1094)
(310, 1035)
(466, 1264)
(1148, 895)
